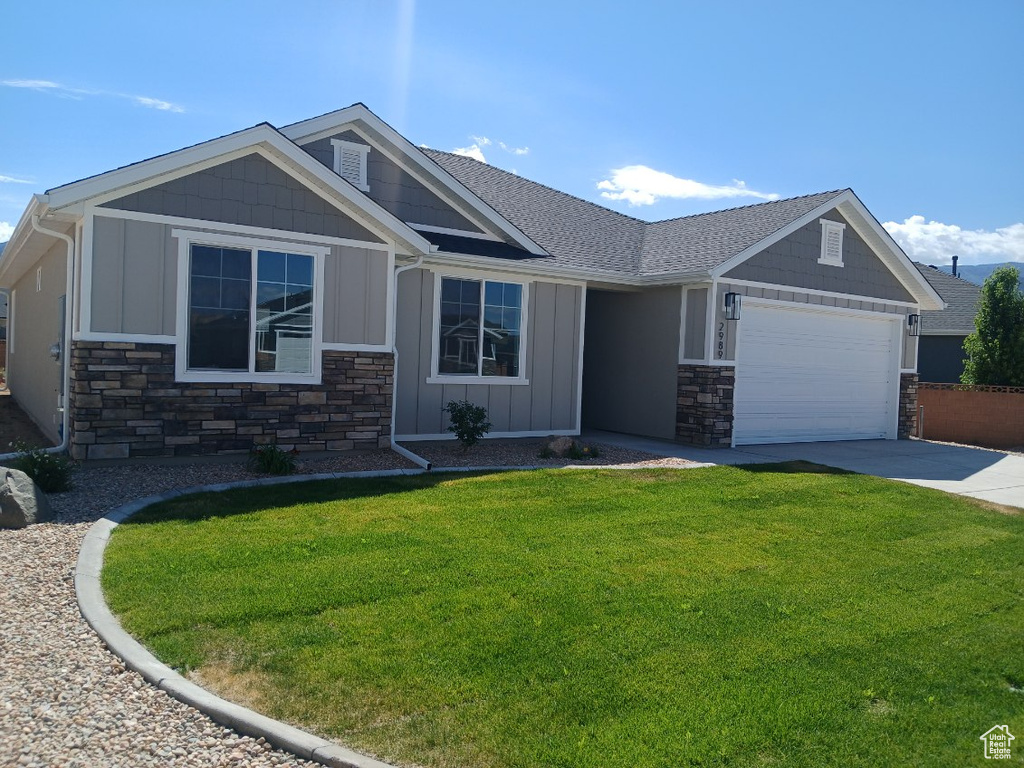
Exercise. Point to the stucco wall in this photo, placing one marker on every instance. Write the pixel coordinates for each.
(630, 373)
(394, 188)
(547, 403)
(793, 261)
(33, 375)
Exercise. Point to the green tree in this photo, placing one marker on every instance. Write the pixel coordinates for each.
(995, 351)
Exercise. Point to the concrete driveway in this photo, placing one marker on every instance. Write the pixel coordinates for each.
(982, 474)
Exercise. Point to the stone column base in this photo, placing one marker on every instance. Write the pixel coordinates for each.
(704, 403)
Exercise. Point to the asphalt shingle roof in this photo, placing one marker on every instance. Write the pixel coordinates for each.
(961, 296)
(584, 235)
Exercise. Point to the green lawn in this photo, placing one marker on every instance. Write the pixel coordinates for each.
(712, 617)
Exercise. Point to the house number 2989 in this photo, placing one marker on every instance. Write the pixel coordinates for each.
(721, 340)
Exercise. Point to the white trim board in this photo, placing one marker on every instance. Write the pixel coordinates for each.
(813, 292)
(489, 435)
(241, 229)
(456, 232)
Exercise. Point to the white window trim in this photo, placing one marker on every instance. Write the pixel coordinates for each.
(341, 145)
(827, 228)
(187, 238)
(435, 351)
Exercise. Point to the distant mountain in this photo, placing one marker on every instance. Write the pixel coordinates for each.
(976, 273)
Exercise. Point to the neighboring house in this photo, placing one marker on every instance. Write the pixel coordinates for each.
(940, 356)
(329, 285)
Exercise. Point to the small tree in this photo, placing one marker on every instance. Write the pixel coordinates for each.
(995, 351)
(468, 422)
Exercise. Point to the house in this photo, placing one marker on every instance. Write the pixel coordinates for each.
(320, 286)
(941, 355)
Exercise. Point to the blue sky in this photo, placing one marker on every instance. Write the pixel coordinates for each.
(654, 109)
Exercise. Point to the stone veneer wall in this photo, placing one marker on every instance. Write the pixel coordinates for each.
(906, 424)
(704, 402)
(125, 402)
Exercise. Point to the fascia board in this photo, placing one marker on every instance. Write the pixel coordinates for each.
(260, 136)
(359, 113)
(898, 262)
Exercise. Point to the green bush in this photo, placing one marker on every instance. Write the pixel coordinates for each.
(50, 471)
(272, 460)
(469, 422)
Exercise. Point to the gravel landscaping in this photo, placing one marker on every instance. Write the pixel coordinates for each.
(67, 701)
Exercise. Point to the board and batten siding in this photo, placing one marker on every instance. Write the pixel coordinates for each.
(134, 283)
(549, 403)
(33, 376)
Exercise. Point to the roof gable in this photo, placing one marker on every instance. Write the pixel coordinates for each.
(261, 139)
(383, 137)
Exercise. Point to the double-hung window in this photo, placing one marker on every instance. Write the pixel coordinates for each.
(479, 331)
(249, 310)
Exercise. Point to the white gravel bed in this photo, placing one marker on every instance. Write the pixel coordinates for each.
(65, 700)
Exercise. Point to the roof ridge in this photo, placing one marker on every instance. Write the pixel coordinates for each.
(540, 184)
(834, 192)
(938, 268)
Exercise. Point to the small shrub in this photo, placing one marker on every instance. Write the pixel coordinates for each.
(272, 460)
(50, 471)
(579, 451)
(469, 422)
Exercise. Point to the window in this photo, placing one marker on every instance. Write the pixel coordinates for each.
(479, 329)
(350, 162)
(249, 310)
(831, 242)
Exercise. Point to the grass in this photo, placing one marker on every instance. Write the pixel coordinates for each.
(770, 615)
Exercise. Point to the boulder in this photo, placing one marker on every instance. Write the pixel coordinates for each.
(560, 446)
(21, 502)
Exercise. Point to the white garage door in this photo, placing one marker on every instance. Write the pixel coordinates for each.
(805, 375)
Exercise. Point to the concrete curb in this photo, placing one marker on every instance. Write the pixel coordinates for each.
(98, 615)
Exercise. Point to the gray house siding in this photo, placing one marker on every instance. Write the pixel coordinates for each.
(629, 373)
(695, 325)
(793, 261)
(394, 188)
(355, 296)
(134, 283)
(250, 191)
(33, 375)
(134, 277)
(548, 403)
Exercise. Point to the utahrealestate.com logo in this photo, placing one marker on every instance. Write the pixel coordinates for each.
(997, 742)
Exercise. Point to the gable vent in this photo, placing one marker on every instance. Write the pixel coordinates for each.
(350, 162)
(831, 242)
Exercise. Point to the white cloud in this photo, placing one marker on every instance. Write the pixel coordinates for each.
(160, 104)
(6, 230)
(936, 242)
(514, 150)
(473, 151)
(483, 141)
(38, 85)
(63, 91)
(12, 180)
(640, 185)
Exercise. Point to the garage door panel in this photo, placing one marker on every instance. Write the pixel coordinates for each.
(805, 375)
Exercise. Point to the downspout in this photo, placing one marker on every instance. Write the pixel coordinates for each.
(401, 450)
(6, 293)
(68, 311)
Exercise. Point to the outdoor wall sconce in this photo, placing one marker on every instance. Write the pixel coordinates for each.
(914, 325)
(732, 306)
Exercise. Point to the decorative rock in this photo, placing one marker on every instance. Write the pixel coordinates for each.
(560, 446)
(21, 502)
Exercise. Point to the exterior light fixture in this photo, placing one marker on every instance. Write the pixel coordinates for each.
(914, 325)
(732, 306)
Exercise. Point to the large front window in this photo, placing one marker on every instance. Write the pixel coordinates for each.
(250, 310)
(479, 329)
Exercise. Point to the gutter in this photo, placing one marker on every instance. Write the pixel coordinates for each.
(401, 450)
(68, 314)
